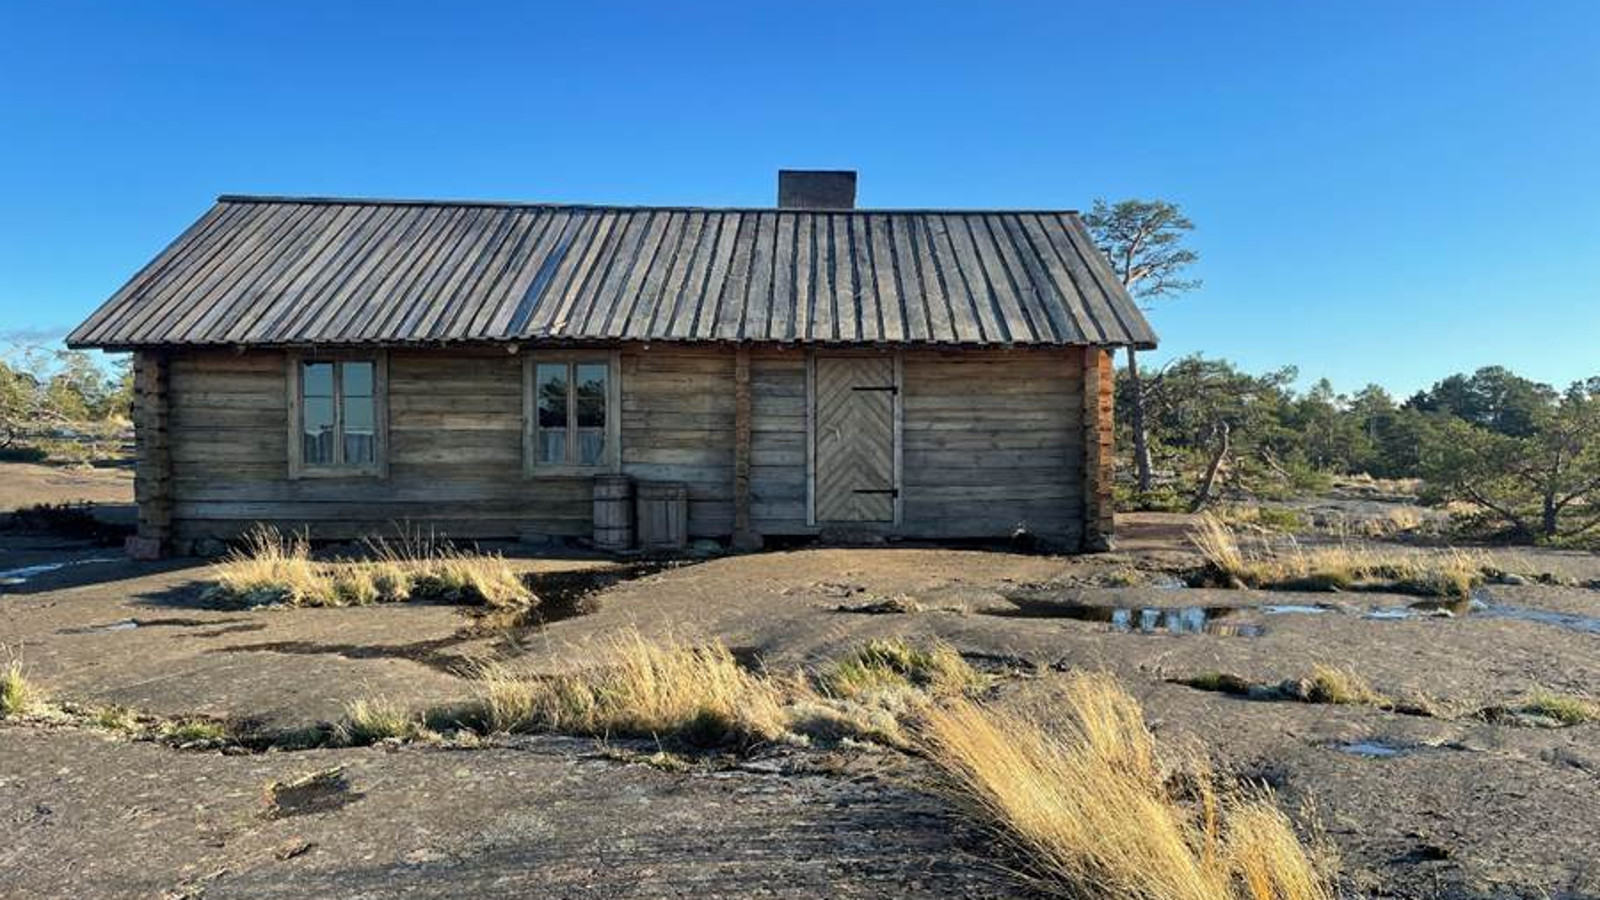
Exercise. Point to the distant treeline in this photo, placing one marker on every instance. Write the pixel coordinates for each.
(1525, 455)
(58, 403)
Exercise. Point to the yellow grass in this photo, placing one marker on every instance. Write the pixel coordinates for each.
(18, 696)
(1331, 684)
(370, 721)
(641, 688)
(1448, 573)
(1088, 808)
(274, 568)
(896, 665)
(1564, 708)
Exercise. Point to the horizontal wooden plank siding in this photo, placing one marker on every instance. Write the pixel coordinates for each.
(455, 459)
(677, 425)
(992, 442)
(778, 442)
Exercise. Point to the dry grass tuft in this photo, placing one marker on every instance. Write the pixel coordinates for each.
(274, 568)
(1439, 573)
(701, 695)
(1089, 809)
(370, 721)
(896, 665)
(641, 688)
(192, 731)
(1566, 709)
(18, 696)
(1331, 684)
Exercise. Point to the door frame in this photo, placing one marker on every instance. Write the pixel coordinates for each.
(811, 433)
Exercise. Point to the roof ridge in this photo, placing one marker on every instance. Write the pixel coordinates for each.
(642, 207)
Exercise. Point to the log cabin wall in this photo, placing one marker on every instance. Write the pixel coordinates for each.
(991, 440)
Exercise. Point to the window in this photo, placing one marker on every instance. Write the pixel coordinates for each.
(336, 428)
(571, 406)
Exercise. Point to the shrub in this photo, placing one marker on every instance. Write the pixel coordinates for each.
(1088, 809)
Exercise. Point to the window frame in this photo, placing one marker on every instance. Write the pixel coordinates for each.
(611, 460)
(379, 467)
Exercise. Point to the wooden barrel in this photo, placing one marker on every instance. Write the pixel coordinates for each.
(613, 512)
(663, 515)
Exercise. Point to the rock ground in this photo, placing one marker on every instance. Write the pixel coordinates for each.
(1465, 809)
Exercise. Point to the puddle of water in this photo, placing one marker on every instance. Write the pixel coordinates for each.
(1370, 749)
(1569, 621)
(131, 624)
(1287, 609)
(1177, 620)
(21, 575)
(1483, 605)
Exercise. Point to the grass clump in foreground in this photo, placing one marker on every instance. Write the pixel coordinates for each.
(18, 696)
(641, 689)
(371, 721)
(896, 665)
(702, 696)
(1092, 811)
(1566, 709)
(1332, 684)
(1432, 573)
(274, 568)
(194, 731)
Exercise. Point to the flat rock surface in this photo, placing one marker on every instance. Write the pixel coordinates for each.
(90, 817)
(1449, 806)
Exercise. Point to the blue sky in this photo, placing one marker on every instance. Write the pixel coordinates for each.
(1384, 191)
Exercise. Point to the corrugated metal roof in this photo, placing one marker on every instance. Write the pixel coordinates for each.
(279, 271)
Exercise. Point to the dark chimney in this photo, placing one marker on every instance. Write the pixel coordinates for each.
(816, 189)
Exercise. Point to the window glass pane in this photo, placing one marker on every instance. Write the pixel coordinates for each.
(316, 380)
(591, 446)
(550, 382)
(552, 445)
(357, 379)
(316, 414)
(360, 432)
(591, 392)
(591, 399)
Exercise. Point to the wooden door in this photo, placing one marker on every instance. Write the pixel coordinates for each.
(855, 422)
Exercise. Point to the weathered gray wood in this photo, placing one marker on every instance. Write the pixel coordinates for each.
(153, 483)
(855, 477)
(1097, 503)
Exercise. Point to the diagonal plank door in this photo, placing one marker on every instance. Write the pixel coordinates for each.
(855, 439)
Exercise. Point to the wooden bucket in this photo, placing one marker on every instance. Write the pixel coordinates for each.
(613, 512)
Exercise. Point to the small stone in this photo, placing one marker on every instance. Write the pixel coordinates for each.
(209, 548)
(291, 848)
(1512, 578)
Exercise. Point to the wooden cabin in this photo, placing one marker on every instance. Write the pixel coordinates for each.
(479, 368)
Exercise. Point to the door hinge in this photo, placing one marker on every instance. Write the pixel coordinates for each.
(893, 492)
(887, 387)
